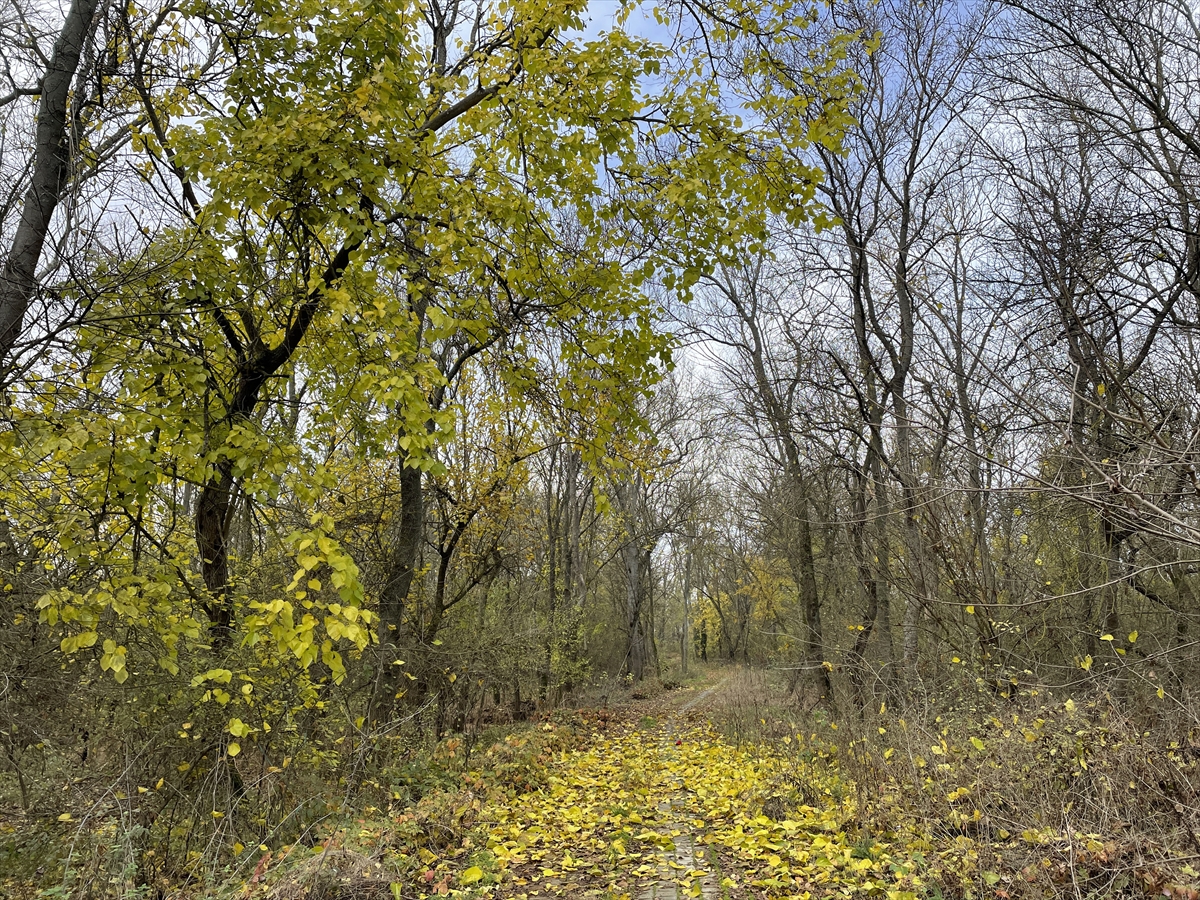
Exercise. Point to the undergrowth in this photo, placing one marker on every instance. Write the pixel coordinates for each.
(110, 833)
(388, 805)
(1049, 796)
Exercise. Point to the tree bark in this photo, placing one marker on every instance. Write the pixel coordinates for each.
(393, 599)
(636, 656)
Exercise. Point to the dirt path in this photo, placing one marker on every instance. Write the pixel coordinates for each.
(704, 695)
(687, 855)
(662, 807)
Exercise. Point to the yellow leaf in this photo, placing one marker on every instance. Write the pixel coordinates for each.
(970, 610)
(1133, 637)
(234, 748)
(1069, 706)
(1106, 637)
(472, 875)
(65, 817)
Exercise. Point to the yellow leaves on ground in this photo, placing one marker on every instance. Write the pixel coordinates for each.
(684, 808)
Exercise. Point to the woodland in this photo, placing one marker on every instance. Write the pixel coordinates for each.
(490, 447)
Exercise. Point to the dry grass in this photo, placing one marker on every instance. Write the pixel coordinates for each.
(1046, 795)
(335, 875)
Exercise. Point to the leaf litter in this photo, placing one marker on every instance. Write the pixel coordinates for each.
(676, 811)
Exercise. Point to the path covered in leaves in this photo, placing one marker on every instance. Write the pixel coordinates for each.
(666, 808)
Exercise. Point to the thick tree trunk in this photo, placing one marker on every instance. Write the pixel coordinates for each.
(257, 364)
(883, 581)
(393, 599)
(405, 553)
(214, 513)
(635, 553)
(867, 585)
(917, 599)
(1110, 593)
(872, 411)
(574, 586)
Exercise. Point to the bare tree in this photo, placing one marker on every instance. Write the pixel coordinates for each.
(1103, 220)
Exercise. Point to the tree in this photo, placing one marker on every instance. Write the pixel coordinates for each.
(1102, 214)
(769, 372)
(351, 230)
(54, 157)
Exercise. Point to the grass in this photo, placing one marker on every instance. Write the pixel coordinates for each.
(1051, 796)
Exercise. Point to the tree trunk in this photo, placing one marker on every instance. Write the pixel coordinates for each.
(868, 585)
(636, 655)
(51, 173)
(574, 586)
(393, 599)
(687, 598)
(812, 638)
(649, 616)
(214, 514)
(554, 517)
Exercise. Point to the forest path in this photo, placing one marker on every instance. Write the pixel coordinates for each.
(686, 855)
(621, 817)
(662, 807)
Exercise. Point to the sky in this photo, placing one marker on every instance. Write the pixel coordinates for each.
(602, 16)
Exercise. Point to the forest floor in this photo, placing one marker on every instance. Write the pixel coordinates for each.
(721, 791)
(655, 803)
(716, 793)
(665, 807)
